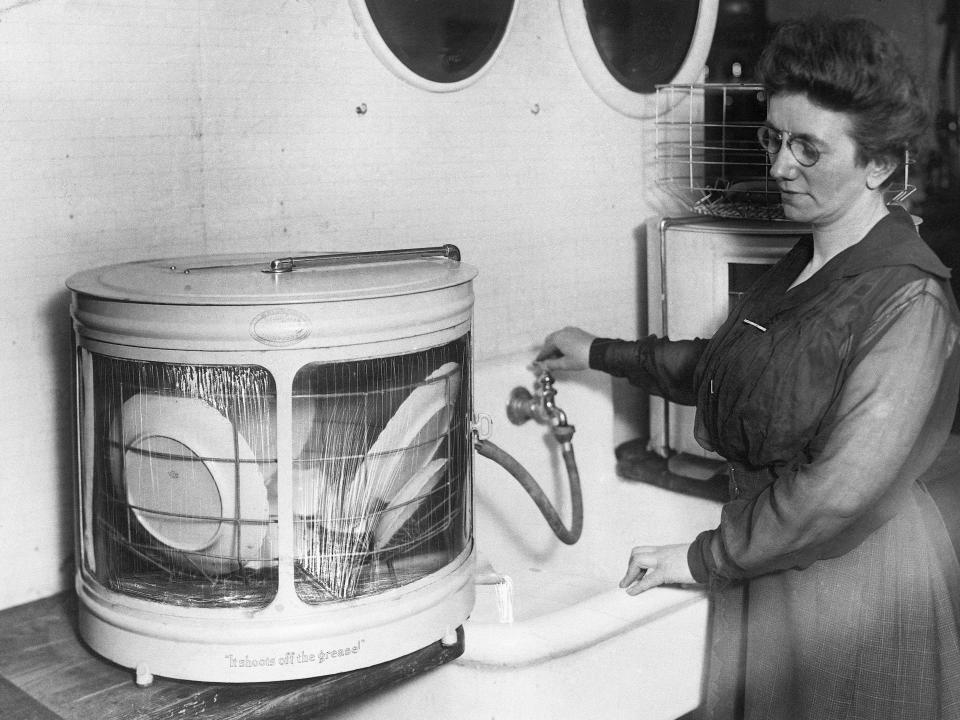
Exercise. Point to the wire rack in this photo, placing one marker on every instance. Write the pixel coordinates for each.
(708, 156)
(351, 538)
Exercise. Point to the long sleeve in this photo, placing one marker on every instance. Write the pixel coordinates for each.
(661, 366)
(891, 418)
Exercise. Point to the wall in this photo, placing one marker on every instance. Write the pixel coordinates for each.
(141, 128)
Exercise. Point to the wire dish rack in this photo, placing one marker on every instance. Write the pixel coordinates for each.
(185, 511)
(708, 156)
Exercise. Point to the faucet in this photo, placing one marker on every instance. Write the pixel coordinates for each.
(538, 406)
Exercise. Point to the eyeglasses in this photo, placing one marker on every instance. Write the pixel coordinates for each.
(772, 141)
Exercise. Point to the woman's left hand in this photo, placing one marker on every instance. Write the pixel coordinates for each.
(652, 565)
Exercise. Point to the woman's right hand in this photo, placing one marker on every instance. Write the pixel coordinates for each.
(566, 349)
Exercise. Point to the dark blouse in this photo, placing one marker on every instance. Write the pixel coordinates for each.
(824, 387)
(830, 400)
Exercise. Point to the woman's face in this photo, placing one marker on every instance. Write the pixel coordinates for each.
(836, 184)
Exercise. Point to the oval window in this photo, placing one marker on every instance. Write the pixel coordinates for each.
(625, 48)
(642, 44)
(437, 44)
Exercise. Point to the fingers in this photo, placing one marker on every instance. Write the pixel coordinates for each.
(548, 353)
(556, 362)
(641, 572)
(565, 349)
(650, 566)
(550, 358)
(553, 346)
(631, 581)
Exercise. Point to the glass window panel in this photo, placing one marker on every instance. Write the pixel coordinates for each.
(444, 41)
(178, 481)
(642, 43)
(382, 471)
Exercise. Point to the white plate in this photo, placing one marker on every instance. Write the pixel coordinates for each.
(188, 480)
(411, 437)
(406, 502)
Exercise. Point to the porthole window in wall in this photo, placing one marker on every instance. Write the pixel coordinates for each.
(439, 45)
(625, 48)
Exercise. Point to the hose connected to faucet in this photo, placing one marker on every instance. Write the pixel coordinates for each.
(540, 406)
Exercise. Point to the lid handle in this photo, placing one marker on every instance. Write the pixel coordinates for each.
(288, 264)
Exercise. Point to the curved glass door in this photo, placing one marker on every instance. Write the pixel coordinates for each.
(178, 481)
(381, 471)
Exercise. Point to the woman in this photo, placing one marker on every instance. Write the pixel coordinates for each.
(830, 390)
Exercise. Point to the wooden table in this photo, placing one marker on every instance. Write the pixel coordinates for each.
(47, 673)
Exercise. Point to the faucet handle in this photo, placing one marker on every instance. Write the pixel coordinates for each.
(544, 378)
(544, 388)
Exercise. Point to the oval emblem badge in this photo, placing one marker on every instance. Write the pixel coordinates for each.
(280, 327)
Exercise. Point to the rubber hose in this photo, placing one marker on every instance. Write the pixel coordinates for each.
(509, 463)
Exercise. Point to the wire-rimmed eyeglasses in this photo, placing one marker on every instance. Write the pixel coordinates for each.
(772, 140)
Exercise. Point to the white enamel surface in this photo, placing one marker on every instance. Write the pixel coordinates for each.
(242, 279)
(213, 645)
(234, 305)
(578, 646)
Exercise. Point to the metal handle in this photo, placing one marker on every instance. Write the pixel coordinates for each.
(288, 264)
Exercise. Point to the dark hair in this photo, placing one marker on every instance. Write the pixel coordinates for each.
(853, 66)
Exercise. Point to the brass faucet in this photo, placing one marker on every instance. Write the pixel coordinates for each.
(539, 405)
